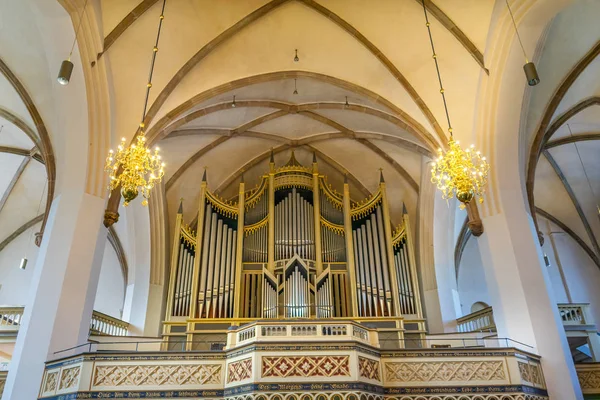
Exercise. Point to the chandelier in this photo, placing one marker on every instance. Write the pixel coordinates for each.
(137, 169)
(456, 172)
(460, 173)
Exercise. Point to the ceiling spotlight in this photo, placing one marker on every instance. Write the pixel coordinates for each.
(295, 86)
(530, 71)
(233, 103)
(296, 59)
(23, 264)
(66, 67)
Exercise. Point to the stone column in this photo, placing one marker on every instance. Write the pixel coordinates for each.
(62, 292)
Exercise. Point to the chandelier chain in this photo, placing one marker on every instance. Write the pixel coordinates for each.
(154, 51)
(77, 31)
(437, 67)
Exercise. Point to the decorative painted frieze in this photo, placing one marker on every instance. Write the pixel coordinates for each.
(445, 371)
(305, 366)
(156, 375)
(368, 368)
(239, 370)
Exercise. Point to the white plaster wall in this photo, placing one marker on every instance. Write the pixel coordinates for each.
(111, 286)
(15, 281)
(471, 278)
(582, 276)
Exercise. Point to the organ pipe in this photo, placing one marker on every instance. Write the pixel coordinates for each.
(292, 248)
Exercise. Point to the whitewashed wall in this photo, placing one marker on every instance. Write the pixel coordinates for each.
(471, 278)
(15, 282)
(581, 275)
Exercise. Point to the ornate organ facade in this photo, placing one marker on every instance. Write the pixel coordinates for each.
(293, 247)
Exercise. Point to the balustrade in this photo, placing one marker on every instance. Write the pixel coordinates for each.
(479, 321)
(10, 318)
(101, 324)
(573, 314)
(247, 334)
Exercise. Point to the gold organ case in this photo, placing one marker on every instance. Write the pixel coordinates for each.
(293, 248)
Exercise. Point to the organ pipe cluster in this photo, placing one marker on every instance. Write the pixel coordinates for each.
(292, 248)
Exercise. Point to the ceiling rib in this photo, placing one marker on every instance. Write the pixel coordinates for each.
(289, 109)
(115, 242)
(206, 50)
(125, 23)
(574, 200)
(542, 135)
(45, 145)
(572, 139)
(234, 29)
(463, 237)
(13, 181)
(571, 233)
(456, 31)
(260, 158)
(343, 132)
(20, 230)
(22, 152)
(400, 169)
(384, 60)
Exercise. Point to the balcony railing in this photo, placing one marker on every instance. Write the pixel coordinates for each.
(10, 318)
(575, 314)
(101, 324)
(479, 321)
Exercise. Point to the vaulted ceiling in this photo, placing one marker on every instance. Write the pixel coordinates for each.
(367, 91)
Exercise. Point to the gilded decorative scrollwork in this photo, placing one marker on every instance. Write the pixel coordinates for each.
(335, 198)
(188, 235)
(337, 229)
(364, 208)
(250, 229)
(399, 235)
(289, 180)
(253, 196)
(222, 206)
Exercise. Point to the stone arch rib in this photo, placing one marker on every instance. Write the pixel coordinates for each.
(45, 145)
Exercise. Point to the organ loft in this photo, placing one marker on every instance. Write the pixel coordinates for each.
(292, 248)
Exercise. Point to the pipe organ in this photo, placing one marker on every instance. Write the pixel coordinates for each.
(293, 247)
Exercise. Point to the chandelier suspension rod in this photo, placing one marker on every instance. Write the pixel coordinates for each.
(517, 31)
(154, 51)
(77, 30)
(437, 67)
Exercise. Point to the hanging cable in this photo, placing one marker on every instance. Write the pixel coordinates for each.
(437, 67)
(529, 67)
(154, 51)
(66, 68)
(24, 260)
